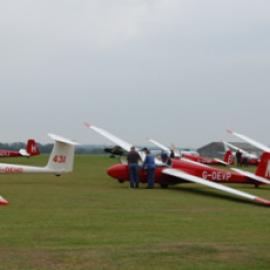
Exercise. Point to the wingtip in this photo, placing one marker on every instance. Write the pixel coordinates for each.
(229, 131)
(262, 201)
(87, 125)
(3, 201)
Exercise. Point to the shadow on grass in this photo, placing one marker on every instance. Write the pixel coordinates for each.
(213, 194)
(206, 193)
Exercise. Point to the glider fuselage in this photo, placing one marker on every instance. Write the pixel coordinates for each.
(120, 172)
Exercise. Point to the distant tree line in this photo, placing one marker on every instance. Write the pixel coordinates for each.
(47, 148)
(80, 149)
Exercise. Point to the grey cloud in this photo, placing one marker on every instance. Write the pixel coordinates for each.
(182, 71)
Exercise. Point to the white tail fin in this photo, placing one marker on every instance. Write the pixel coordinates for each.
(62, 157)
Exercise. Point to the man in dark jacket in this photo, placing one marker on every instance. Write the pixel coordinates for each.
(238, 157)
(133, 159)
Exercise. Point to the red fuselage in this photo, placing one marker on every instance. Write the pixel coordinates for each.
(9, 153)
(120, 172)
(250, 161)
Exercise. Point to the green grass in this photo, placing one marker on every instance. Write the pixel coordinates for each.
(86, 220)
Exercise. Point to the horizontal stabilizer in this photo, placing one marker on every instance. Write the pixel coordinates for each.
(58, 138)
(221, 161)
(195, 162)
(24, 153)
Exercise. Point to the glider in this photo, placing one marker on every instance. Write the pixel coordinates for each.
(184, 170)
(201, 159)
(61, 161)
(30, 150)
(248, 158)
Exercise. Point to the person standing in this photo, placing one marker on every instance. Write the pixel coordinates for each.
(150, 165)
(165, 158)
(172, 154)
(133, 159)
(238, 156)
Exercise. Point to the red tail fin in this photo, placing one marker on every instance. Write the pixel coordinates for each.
(263, 168)
(32, 148)
(228, 157)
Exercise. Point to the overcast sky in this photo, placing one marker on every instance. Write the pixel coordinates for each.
(180, 71)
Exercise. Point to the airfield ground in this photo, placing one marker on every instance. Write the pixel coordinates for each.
(86, 220)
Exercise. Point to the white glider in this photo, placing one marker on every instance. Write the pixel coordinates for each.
(61, 161)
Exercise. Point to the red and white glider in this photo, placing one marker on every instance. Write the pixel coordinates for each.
(250, 159)
(262, 173)
(183, 170)
(61, 161)
(30, 150)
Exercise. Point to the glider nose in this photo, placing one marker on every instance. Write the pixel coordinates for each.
(118, 171)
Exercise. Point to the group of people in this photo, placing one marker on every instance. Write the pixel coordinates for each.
(133, 159)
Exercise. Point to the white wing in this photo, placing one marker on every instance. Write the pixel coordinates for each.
(164, 148)
(252, 176)
(159, 145)
(250, 141)
(198, 180)
(123, 144)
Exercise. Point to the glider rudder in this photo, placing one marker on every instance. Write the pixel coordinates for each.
(263, 168)
(32, 148)
(62, 157)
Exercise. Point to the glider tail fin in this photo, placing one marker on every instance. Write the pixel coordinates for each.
(32, 148)
(263, 168)
(228, 157)
(62, 156)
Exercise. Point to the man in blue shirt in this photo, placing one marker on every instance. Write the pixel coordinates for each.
(150, 165)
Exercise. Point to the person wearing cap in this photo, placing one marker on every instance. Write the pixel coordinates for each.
(133, 159)
(150, 165)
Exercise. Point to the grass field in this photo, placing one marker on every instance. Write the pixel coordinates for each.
(86, 220)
